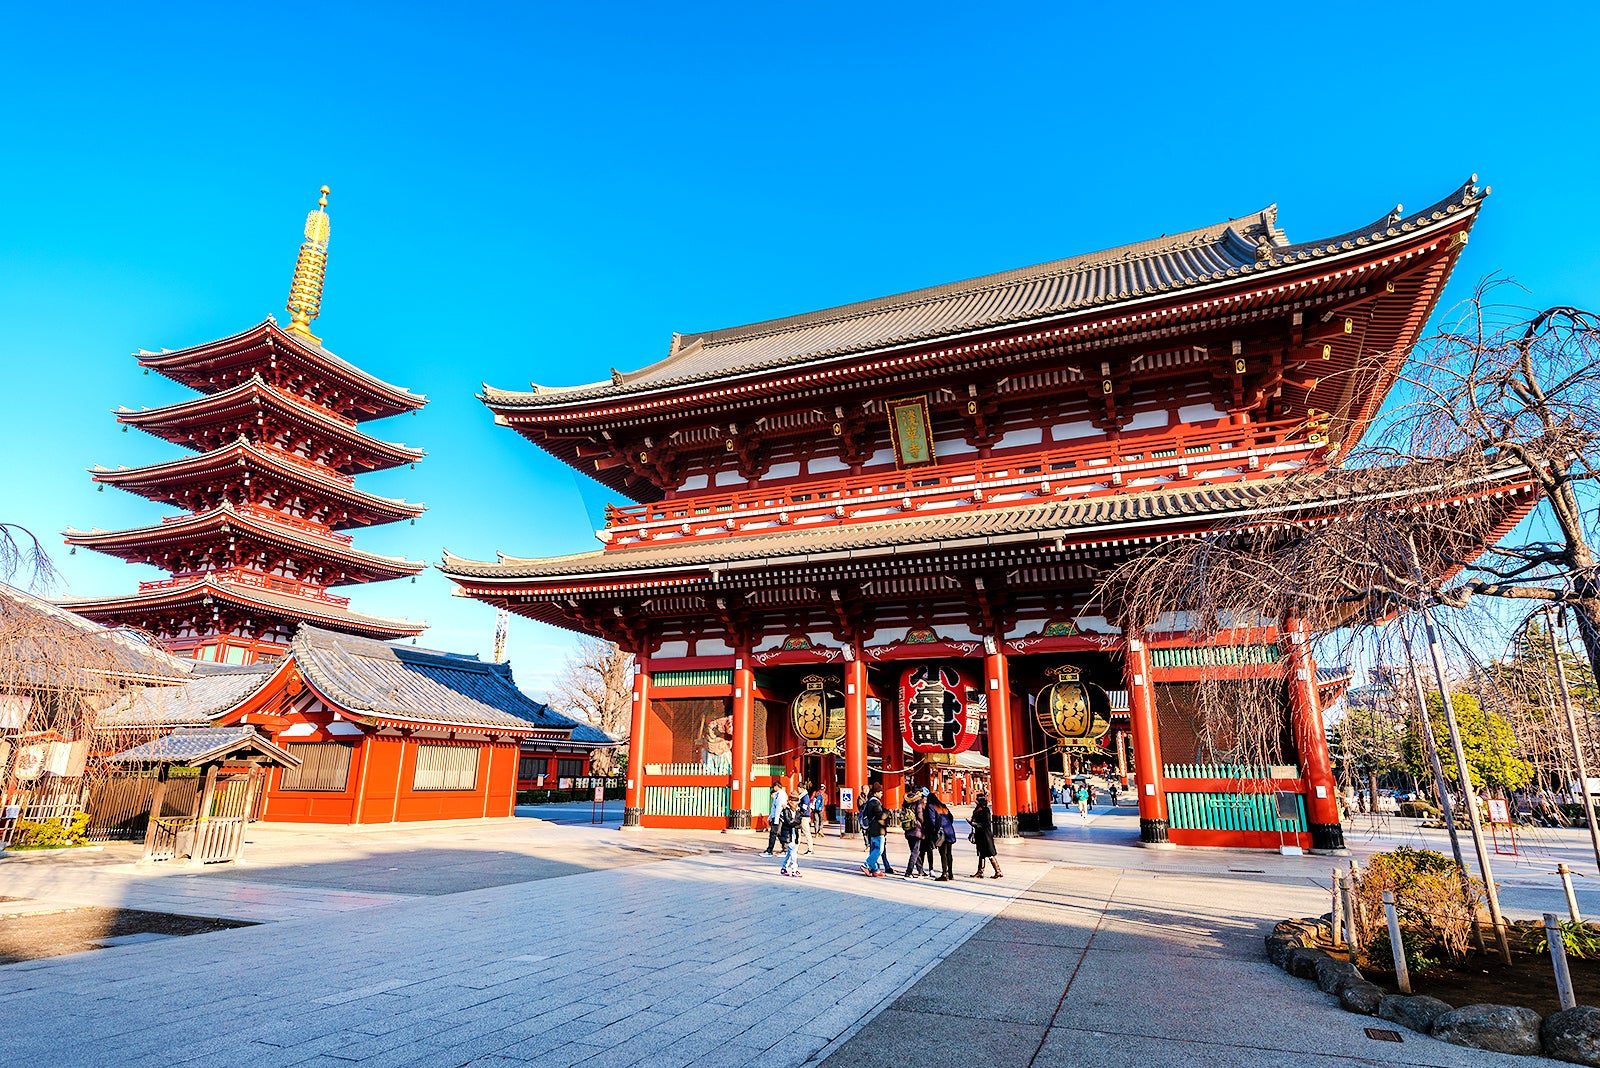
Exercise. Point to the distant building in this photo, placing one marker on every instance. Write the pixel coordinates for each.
(385, 733)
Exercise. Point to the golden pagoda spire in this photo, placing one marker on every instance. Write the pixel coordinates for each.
(305, 291)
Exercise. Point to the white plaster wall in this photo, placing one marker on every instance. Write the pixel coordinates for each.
(672, 649)
(712, 647)
(783, 470)
(823, 465)
(730, 478)
(1148, 420)
(695, 482)
(1031, 435)
(1067, 431)
(1200, 413)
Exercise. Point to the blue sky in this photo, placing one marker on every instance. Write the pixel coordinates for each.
(540, 193)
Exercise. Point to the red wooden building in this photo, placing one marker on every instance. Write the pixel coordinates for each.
(910, 498)
(384, 733)
(268, 492)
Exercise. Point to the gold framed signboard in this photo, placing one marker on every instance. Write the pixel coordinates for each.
(911, 430)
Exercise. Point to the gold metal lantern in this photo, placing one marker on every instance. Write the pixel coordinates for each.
(1072, 713)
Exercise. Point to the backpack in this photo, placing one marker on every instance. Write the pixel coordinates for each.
(908, 817)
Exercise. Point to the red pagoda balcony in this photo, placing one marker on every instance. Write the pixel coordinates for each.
(294, 459)
(272, 515)
(1072, 472)
(239, 576)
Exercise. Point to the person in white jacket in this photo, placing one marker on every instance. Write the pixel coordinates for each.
(780, 801)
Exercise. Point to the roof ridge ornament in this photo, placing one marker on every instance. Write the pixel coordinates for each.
(310, 266)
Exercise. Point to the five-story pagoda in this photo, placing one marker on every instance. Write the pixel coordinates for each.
(268, 493)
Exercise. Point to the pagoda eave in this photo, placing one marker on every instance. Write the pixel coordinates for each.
(174, 481)
(218, 365)
(196, 596)
(222, 417)
(247, 534)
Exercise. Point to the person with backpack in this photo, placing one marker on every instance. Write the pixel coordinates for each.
(871, 816)
(780, 799)
(945, 837)
(911, 824)
(930, 833)
(789, 835)
(982, 822)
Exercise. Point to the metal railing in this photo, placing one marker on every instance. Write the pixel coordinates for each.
(240, 576)
(1080, 470)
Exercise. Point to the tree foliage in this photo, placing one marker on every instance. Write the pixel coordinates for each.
(595, 684)
(1491, 745)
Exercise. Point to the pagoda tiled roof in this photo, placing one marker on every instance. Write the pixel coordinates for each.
(242, 453)
(1247, 247)
(255, 391)
(267, 602)
(184, 527)
(1146, 513)
(404, 684)
(211, 691)
(196, 366)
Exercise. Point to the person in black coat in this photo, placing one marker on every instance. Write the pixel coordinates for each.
(982, 822)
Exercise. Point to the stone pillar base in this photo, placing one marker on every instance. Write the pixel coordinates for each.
(739, 820)
(1328, 838)
(1006, 827)
(631, 818)
(1153, 833)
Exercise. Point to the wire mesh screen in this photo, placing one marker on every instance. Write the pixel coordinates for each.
(766, 731)
(701, 729)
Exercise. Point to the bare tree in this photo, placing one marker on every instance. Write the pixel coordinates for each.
(596, 685)
(21, 552)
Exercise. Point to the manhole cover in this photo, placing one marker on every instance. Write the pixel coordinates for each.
(1383, 1034)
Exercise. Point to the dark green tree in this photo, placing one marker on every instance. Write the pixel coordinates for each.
(1487, 737)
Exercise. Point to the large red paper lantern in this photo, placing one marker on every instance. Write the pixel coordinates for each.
(939, 707)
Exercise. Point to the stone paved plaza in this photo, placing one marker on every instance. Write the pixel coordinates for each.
(536, 942)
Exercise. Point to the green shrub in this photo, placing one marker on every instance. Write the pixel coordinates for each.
(1419, 954)
(1581, 940)
(1436, 916)
(27, 834)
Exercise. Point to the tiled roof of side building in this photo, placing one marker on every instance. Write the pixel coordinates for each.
(1047, 519)
(197, 745)
(1236, 248)
(422, 685)
(212, 691)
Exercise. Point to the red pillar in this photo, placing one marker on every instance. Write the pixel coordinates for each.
(1311, 741)
(744, 704)
(633, 797)
(1002, 769)
(855, 737)
(1146, 744)
(894, 753)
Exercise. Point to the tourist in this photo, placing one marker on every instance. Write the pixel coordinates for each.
(911, 822)
(819, 810)
(807, 800)
(945, 829)
(930, 833)
(789, 821)
(872, 830)
(1081, 795)
(1112, 790)
(780, 801)
(982, 823)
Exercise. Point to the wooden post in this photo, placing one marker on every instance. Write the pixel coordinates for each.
(1572, 899)
(1148, 778)
(157, 800)
(1352, 933)
(633, 803)
(1311, 742)
(202, 817)
(1558, 960)
(1336, 915)
(855, 738)
(1396, 946)
(1002, 769)
(744, 705)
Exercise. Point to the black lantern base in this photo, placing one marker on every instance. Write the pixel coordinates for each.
(739, 820)
(1327, 838)
(1153, 832)
(631, 817)
(1006, 827)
